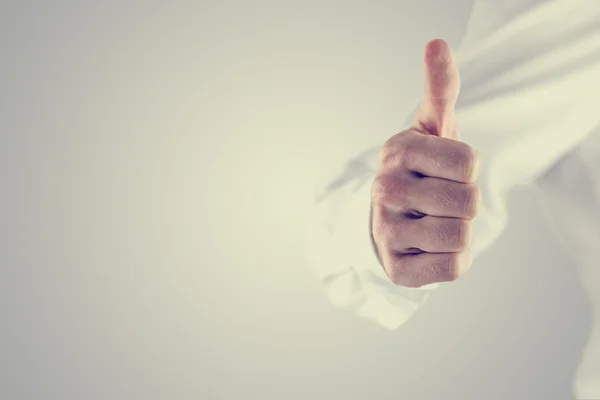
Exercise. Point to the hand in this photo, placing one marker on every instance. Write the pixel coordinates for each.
(424, 195)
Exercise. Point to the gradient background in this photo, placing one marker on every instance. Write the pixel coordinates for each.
(157, 160)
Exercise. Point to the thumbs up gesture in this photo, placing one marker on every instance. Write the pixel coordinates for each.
(424, 194)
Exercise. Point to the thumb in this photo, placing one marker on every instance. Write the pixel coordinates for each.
(442, 85)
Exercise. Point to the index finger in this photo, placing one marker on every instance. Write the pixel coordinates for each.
(431, 156)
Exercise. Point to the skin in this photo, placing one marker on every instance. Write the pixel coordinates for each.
(424, 194)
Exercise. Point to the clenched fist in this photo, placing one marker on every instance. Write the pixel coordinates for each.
(424, 196)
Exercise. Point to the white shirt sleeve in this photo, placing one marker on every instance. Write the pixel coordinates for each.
(530, 93)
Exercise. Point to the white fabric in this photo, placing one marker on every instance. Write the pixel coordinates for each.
(530, 78)
(570, 193)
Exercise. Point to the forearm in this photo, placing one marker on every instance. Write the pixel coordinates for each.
(528, 96)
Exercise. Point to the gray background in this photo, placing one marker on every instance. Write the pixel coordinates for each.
(157, 159)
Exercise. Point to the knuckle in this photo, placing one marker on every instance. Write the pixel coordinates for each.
(411, 156)
(380, 189)
(394, 150)
(387, 151)
(380, 230)
(387, 232)
(388, 190)
(390, 152)
(399, 274)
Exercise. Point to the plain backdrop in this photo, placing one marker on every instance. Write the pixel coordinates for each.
(157, 160)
